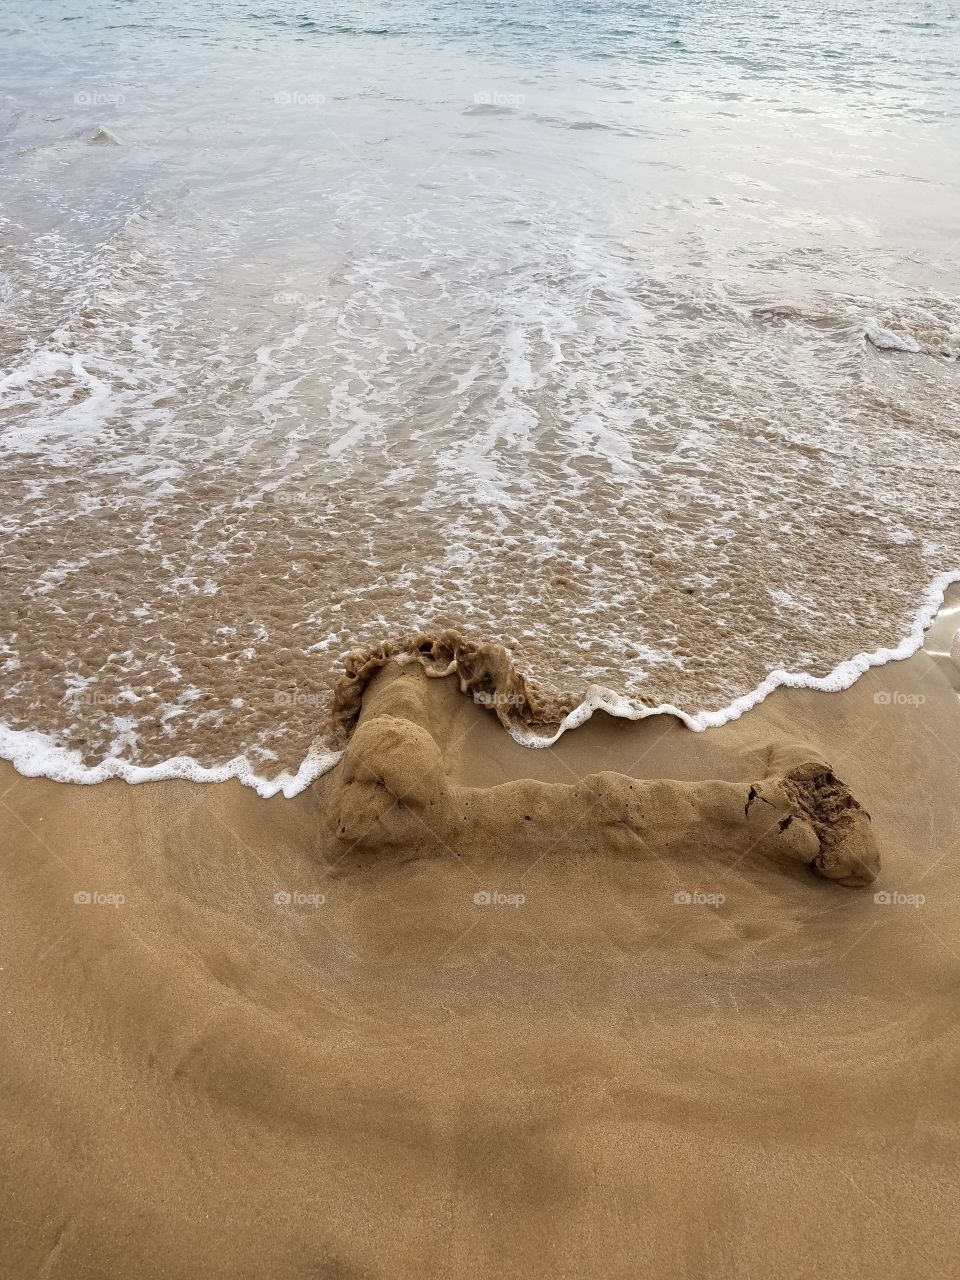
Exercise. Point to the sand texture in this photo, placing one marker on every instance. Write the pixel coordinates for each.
(650, 1002)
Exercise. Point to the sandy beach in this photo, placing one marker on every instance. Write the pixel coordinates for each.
(479, 640)
(602, 1016)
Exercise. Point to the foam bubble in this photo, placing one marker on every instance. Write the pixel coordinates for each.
(888, 339)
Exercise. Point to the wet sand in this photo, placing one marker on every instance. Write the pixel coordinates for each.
(465, 1009)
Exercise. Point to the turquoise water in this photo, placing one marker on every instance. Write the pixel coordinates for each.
(625, 335)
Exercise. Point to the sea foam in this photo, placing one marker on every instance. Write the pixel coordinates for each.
(38, 755)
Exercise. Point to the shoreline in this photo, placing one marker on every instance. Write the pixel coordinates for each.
(33, 755)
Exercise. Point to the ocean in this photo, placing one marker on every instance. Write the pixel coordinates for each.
(622, 335)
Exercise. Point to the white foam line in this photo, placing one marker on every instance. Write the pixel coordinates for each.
(842, 676)
(37, 755)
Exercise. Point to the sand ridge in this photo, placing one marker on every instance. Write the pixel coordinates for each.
(391, 792)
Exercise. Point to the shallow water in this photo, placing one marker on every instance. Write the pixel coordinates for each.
(625, 335)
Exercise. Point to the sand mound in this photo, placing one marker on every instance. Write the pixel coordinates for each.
(484, 671)
(391, 793)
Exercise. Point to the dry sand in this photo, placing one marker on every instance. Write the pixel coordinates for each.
(285, 1039)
